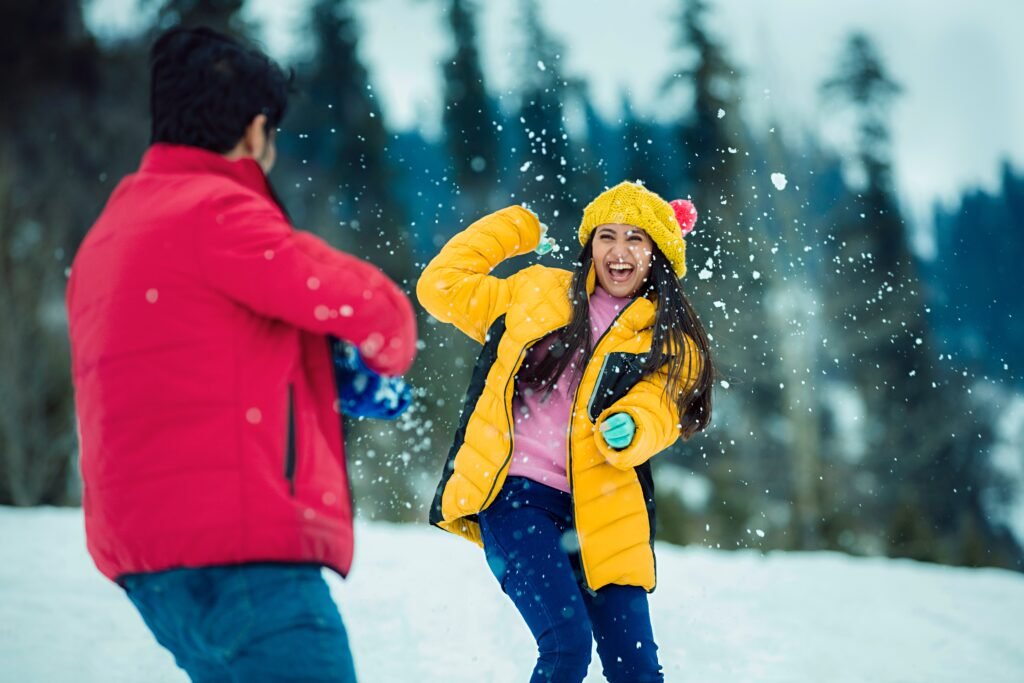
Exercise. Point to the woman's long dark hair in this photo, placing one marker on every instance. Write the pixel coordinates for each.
(674, 321)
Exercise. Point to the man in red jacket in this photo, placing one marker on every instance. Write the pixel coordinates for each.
(214, 474)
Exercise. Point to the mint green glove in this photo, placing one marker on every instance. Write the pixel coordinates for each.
(618, 430)
(547, 244)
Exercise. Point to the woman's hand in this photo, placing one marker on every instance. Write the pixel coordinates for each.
(547, 244)
(618, 430)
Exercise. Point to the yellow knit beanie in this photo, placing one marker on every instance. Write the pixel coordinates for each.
(633, 204)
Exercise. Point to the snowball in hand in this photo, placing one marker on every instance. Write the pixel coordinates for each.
(547, 244)
(361, 391)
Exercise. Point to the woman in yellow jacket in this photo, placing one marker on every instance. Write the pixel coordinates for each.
(583, 377)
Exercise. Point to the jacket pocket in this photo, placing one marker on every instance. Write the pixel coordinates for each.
(289, 453)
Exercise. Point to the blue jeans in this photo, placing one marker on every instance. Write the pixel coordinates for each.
(249, 622)
(532, 550)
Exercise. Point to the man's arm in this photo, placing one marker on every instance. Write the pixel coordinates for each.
(252, 255)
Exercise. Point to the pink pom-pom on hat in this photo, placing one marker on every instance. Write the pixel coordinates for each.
(686, 215)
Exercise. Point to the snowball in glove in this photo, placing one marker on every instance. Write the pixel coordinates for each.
(547, 244)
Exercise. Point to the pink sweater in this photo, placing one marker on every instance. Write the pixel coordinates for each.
(542, 422)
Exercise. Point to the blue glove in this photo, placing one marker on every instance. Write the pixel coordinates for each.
(618, 430)
(361, 391)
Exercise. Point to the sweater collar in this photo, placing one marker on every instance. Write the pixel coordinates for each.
(638, 314)
(167, 158)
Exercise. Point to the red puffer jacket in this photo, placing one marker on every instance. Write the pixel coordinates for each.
(207, 409)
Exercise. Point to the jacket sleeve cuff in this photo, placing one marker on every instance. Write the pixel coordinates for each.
(632, 455)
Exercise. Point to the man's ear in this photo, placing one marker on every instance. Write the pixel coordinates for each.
(255, 138)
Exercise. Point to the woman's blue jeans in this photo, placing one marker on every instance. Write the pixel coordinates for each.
(532, 550)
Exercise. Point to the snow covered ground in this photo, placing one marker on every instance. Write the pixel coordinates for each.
(421, 607)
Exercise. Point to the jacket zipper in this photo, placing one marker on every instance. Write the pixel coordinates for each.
(508, 418)
(568, 443)
(290, 456)
(597, 384)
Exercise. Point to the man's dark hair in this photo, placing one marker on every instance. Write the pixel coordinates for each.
(206, 88)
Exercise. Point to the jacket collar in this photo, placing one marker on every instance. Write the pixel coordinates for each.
(174, 159)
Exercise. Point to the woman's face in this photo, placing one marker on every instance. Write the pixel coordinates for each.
(622, 258)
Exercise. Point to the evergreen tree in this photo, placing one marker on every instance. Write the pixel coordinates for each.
(641, 159)
(923, 481)
(794, 307)
(880, 303)
(547, 168)
(469, 118)
(729, 241)
(605, 153)
(351, 176)
(730, 267)
(50, 166)
(713, 126)
(979, 247)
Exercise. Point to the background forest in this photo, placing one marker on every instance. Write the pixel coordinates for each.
(871, 399)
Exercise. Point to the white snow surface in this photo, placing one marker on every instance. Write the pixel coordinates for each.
(420, 606)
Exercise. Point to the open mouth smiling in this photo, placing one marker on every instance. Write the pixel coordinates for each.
(619, 271)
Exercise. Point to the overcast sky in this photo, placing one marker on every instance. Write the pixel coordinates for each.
(959, 62)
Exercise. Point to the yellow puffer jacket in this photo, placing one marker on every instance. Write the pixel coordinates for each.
(612, 491)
